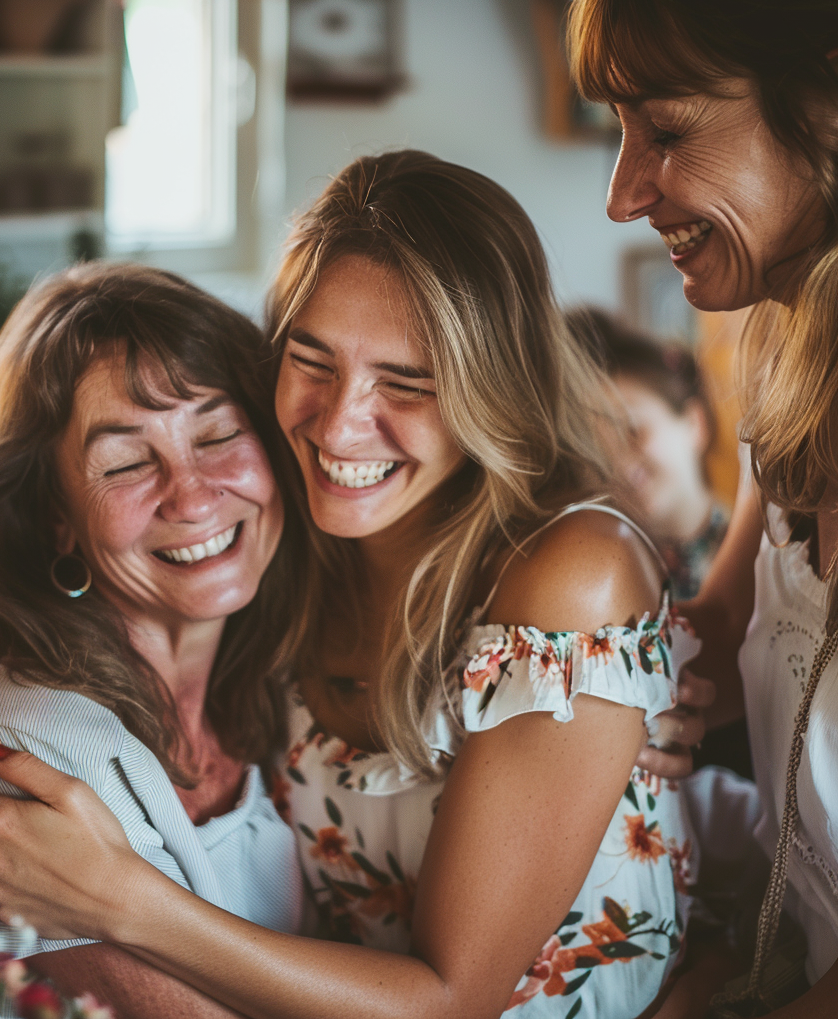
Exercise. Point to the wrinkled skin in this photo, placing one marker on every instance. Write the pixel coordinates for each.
(714, 159)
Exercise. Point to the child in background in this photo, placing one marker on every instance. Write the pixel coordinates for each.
(663, 463)
(671, 428)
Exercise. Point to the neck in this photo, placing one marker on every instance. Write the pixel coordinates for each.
(390, 556)
(183, 656)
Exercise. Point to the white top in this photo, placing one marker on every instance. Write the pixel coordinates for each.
(363, 821)
(244, 861)
(784, 635)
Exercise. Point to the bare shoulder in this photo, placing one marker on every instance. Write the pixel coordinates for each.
(587, 570)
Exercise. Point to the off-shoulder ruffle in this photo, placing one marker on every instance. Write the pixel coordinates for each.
(516, 669)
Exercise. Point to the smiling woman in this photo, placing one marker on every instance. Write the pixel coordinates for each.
(137, 448)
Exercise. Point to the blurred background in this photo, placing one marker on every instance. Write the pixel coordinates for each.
(185, 133)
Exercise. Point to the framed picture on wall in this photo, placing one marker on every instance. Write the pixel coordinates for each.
(565, 114)
(343, 49)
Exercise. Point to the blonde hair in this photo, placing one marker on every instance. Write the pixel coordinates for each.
(53, 336)
(516, 391)
(788, 360)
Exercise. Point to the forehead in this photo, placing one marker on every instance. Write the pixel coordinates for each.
(102, 392)
(358, 304)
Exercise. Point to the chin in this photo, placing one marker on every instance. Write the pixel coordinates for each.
(705, 297)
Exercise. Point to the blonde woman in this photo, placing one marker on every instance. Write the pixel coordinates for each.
(730, 148)
(479, 643)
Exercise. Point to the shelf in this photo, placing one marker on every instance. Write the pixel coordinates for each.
(81, 66)
(49, 225)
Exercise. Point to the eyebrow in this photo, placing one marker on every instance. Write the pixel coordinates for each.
(404, 371)
(114, 428)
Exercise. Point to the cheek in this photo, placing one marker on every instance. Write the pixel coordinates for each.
(110, 522)
(295, 402)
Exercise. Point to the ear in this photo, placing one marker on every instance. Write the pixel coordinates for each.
(696, 416)
(65, 534)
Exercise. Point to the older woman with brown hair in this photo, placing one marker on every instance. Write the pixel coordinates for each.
(142, 588)
(730, 149)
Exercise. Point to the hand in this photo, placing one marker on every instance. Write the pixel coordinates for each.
(673, 733)
(65, 863)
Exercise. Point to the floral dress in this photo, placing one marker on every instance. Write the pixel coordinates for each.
(362, 820)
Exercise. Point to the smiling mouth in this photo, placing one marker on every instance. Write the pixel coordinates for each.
(214, 546)
(685, 238)
(356, 473)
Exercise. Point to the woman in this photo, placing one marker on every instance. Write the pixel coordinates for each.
(139, 516)
(730, 147)
(483, 856)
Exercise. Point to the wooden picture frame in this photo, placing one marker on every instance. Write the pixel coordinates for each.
(344, 50)
(566, 115)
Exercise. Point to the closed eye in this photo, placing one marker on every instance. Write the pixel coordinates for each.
(402, 392)
(665, 138)
(315, 369)
(128, 467)
(223, 438)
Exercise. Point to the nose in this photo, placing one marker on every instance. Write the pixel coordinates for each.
(346, 418)
(189, 497)
(633, 192)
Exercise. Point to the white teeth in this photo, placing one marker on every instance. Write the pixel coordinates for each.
(354, 475)
(194, 553)
(685, 239)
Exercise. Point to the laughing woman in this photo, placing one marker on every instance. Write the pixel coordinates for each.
(479, 645)
(139, 514)
(730, 150)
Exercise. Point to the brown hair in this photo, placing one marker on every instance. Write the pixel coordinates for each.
(629, 49)
(517, 392)
(56, 332)
(669, 369)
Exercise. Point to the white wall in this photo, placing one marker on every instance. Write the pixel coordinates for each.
(474, 98)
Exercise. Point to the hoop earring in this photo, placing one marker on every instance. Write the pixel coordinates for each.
(69, 564)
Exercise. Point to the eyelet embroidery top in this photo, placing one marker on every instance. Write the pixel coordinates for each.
(362, 820)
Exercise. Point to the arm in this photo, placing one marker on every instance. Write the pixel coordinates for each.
(722, 610)
(133, 989)
(719, 615)
(522, 810)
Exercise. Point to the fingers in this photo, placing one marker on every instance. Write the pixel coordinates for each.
(678, 727)
(672, 763)
(695, 691)
(37, 779)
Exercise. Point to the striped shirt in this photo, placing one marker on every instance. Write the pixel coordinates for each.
(244, 861)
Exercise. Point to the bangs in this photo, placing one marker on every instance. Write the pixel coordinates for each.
(623, 51)
(173, 341)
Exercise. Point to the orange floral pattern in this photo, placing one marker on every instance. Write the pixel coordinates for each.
(362, 823)
(643, 842)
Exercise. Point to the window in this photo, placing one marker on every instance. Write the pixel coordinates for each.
(174, 167)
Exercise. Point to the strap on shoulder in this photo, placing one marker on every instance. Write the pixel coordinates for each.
(575, 507)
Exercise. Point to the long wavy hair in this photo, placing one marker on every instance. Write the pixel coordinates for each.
(188, 339)
(788, 358)
(517, 392)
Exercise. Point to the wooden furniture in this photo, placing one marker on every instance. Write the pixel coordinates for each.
(59, 96)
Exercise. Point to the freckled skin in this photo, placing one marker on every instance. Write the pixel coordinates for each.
(185, 482)
(714, 158)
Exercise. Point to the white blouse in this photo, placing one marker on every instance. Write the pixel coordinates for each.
(784, 635)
